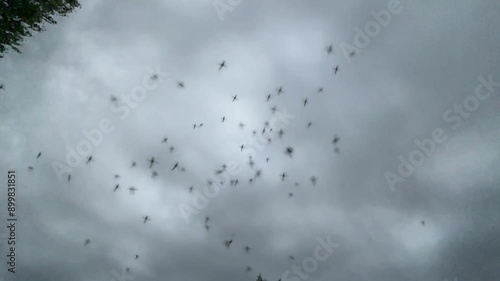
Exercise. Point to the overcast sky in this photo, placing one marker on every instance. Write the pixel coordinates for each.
(441, 222)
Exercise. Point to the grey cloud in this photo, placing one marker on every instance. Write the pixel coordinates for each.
(393, 92)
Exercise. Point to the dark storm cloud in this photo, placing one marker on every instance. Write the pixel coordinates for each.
(394, 91)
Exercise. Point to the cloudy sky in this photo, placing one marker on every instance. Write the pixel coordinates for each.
(404, 84)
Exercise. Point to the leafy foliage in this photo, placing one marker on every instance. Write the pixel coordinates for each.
(18, 18)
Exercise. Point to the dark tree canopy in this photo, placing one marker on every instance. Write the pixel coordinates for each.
(18, 18)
